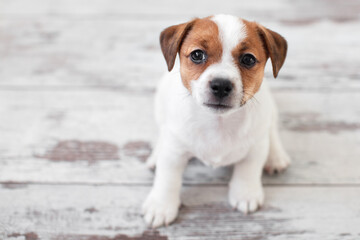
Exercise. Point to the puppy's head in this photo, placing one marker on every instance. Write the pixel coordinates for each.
(222, 58)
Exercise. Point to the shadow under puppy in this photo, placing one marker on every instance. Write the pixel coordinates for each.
(215, 106)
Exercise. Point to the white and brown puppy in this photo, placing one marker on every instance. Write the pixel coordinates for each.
(216, 107)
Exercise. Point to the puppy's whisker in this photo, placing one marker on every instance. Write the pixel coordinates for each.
(252, 101)
(252, 96)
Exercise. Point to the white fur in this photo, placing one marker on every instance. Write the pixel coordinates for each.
(243, 136)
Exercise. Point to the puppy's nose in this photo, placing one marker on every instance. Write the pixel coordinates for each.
(221, 87)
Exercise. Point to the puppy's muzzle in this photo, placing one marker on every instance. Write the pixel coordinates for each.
(221, 87)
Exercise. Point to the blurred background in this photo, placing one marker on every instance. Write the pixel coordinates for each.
(77, 80)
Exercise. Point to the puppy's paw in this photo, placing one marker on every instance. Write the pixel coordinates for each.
(277, 162)
(158, 211)
(245, 198)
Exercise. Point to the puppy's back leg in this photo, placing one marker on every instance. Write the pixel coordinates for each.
(151, 161)
(278, 159)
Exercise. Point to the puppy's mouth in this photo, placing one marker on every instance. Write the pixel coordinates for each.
(218, 106)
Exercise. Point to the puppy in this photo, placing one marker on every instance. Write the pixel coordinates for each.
(216, 107)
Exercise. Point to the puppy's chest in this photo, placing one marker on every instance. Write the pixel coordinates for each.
(218, 144)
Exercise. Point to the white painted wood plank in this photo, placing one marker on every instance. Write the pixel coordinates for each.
(143, 7)
(304, 11)
(83, 213)
(104, 136)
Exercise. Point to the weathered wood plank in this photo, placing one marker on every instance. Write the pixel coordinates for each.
(126, 54)
(81, 212)
(104, 136)
(303, 12)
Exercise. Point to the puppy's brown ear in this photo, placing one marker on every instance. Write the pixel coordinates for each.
(171, 39)
(275, 47)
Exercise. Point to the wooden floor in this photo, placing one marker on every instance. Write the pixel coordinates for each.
(77, 80)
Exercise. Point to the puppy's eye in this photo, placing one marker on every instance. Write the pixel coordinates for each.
(198, 56)
(247, 60)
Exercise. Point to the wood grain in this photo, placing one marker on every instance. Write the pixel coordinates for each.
(83, 212)
(320, 131)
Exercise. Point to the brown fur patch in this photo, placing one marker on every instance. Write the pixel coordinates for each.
(204, 35)
(251, 77)
(276, 47)
(262, 43)
(171, 39)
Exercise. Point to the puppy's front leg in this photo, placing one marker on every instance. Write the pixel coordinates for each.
(162, 204)
(245, 189)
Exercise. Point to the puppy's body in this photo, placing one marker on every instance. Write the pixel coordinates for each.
(216, 108)
(217, 140)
